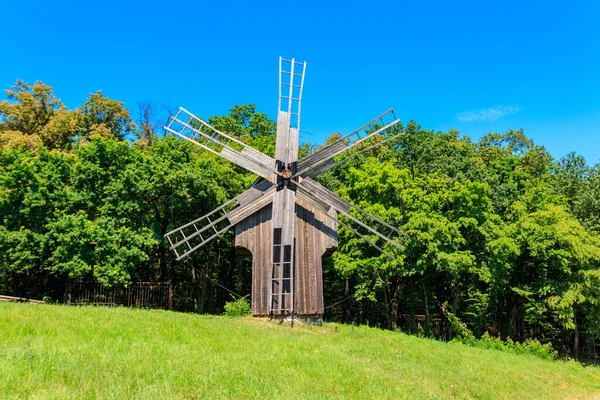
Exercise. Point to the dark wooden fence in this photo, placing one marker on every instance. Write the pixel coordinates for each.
(137, 294)
(410, 321)
(19, 299)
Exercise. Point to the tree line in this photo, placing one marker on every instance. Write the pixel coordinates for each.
(500, 234)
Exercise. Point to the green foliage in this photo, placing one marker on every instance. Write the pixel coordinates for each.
(105, 117)
(252, 127)
(33, 107)
(459, 328)
(101, 248)
(36, 117)
(238, 308)
(530, 346)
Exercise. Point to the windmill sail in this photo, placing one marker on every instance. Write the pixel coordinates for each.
(315, 191)
(327, 212)
(195, 234)
(322, 160)
(281, 288)
(188, 126)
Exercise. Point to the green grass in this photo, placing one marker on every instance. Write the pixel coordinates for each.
(60, 352)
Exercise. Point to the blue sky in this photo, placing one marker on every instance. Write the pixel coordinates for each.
(475, 66)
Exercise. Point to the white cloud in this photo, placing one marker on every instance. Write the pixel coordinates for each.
(488, 114)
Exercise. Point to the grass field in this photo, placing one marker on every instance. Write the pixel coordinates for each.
(59, 352)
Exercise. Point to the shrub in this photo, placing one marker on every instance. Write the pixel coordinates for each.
(459, 328)
(529, 346)
(238, 308)
(534, 347)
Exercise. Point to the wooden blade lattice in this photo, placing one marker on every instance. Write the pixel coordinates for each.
(188, 126)
(281, 288)
(326, 198)
(376, 132)
(195, 234)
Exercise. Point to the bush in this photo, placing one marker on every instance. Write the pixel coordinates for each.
(459, 328)
(238, 308)
(534, 347)
(529, 346)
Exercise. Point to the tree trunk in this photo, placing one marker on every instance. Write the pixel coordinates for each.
(118, 295)
(395, 303)
(194, 293)
(204, 282)
(161, 251)
(456, 303)
(513, 323)
(347, 304)
(214, 292)
(575, 337)
(68, 288)
(426, 300)
(386, 305)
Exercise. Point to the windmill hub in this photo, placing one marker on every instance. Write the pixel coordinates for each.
(287, 221)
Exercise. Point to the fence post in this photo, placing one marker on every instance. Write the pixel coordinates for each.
(171, 296)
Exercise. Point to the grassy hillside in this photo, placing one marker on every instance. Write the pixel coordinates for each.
(60, 352)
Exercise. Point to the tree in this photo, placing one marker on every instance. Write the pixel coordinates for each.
(62, 129)
(244, 122)
(586, 205)
(32, 109)
(101, 248)
(557, 269)
(493, 146)
(23, 122)
(570, 174)
(105, 117)
(146, 125)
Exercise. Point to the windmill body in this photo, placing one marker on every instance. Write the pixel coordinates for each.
(286, 221)
(316, 237)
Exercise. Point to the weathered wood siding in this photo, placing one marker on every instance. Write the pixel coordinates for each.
(316, 236)
(253, 238)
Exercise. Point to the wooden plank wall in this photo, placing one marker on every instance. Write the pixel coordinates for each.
(253, 238)
(316, 235)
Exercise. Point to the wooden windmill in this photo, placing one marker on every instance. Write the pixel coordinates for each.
(286, 221)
